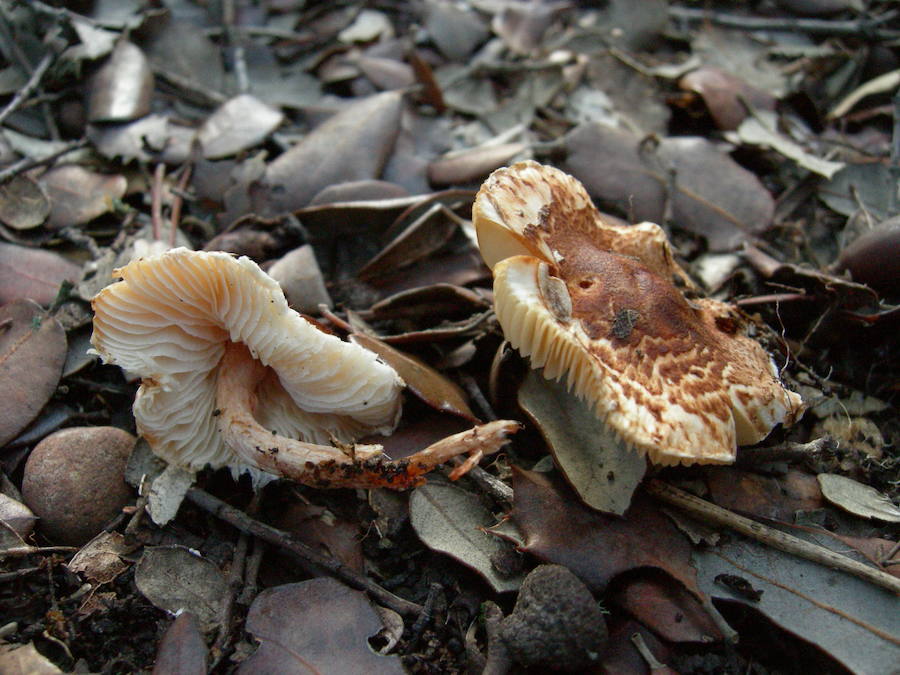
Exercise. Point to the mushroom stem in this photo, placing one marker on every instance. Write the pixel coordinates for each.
(321, 465)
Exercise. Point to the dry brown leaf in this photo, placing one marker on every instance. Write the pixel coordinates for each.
(726, 96)
(709, 193)
(316, 626)
(23, 203)
(122, 89)
(352, 145)
(33, 273)
(78, 195)
(182, 649)
(423, 380)
(32, 353)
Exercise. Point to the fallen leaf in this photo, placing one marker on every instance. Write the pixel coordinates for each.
(25, 660)
(123, 87)
(23, 203)
(100, 560)
(594, 545)
(182, 649)
(451, 520)
(175, 579)
(456, 30)
(15, 515)
(866, 185)
(426, 235)
(860, 500)
(726, 96)
(33, 273)
(424, 381)
(167, 492)
(760, 130)
(763, 496)
(668, 610)
(352, 145)
(320, 529)
(601, 470)
(142, 139)
(854, 621)
(315, 626)
(711, 194)
(78, 196)
(32, 353)
(238, 124)
(472, 164)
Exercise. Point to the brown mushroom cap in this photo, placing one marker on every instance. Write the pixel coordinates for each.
(170, 321)
(594, 301)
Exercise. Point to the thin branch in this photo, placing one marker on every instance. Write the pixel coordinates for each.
(782, 541)
(285, 541)
(28, 163)
(864, 27)
(29, 87)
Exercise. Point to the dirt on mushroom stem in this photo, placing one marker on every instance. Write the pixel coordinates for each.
(321, 465)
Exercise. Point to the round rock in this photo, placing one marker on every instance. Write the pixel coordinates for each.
(556, 623)
(74, 481)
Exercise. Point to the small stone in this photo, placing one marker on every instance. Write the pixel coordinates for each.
(556, 623)
(74, 481)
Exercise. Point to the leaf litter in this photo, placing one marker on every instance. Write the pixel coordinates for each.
(271, 130)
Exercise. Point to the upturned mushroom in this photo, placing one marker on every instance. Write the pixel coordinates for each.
(595, 302)
(232, 377)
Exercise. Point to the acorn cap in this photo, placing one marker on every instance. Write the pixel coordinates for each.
(593, 301)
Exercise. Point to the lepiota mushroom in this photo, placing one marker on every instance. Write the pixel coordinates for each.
(595, 302)
(231, 376)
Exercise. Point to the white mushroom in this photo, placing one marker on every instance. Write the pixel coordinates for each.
(231, 376)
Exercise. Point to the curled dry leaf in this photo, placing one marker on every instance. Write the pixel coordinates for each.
(317, 626)
(121, 90)
(78, 196)
(594, 302)
(33, 273)
(710, 194)
(860, 500)
(32, 353)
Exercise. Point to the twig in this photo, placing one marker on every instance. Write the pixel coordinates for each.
(863, 27)
(427, 615)
(178, 201)
(815, 449)
(782, 541)
(28, 163)
(283, 540)
(20, 551)
(29, 87)
(235, 49)
(156, 190)
(894, 167)
(251, 571)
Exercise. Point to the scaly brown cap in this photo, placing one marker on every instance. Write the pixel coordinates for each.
(595, 302)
